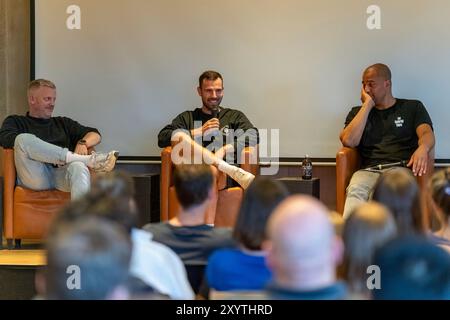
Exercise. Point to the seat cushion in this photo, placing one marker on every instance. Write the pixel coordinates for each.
(34, 210)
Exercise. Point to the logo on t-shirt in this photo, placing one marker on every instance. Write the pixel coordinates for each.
(399, 122)
(225, 130)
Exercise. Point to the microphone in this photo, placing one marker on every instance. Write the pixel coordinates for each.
(215, 113)
(389, 165)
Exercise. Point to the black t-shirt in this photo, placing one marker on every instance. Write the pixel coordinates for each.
(192, 244)
(390, 134)
(233, 124)
(335, 291)
(60, 131)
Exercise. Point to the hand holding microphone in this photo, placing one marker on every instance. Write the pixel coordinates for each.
(210, 127)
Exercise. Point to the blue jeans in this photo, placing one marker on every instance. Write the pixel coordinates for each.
(42, 166)
(360, 189)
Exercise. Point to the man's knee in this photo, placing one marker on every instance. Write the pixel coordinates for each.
(359, 191)
(23, 140)
(180, 136)
(360, 187)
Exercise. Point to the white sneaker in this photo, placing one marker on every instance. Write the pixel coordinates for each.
(242, 177)
(103, 162)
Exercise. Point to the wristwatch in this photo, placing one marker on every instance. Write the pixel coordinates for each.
(82, 142)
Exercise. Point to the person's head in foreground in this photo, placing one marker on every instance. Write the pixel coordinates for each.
(369, 227)
(303, 251)
(87, 259)
(398, 190)
(412, 268)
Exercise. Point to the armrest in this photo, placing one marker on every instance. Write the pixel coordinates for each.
(9, 182)
(250, 160)
(347, 162)
(166, 178)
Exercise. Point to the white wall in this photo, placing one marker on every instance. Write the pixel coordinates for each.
(289, 64)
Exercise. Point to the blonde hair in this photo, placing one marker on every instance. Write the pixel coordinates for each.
(36, 84)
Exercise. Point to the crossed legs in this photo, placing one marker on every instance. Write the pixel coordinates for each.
(187, 150)
(40, 166)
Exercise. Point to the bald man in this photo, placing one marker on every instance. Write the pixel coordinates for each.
(387, 131)
(303, 252)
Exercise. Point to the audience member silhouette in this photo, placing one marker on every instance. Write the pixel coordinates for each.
(244, 267)
(303, 251)
(366, 229)
(413, 268)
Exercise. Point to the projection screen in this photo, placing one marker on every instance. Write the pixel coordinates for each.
(292, 65)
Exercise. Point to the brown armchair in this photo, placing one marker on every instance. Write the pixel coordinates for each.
(348, 162)
(228, 201)
(27, 213)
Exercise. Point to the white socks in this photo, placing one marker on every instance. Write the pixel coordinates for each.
(72, 157)
(225, 167)
(241, 176)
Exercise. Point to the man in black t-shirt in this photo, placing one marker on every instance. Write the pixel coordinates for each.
(187, 233)
(211, 132)
(52, 152)
(386, 131)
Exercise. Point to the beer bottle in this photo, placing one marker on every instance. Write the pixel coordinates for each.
(306, 168)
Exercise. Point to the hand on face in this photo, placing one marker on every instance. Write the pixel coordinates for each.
(366, 98)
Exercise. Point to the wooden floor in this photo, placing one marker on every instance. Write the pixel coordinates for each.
(22, 258)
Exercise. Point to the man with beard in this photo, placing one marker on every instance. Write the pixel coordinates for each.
(212, 131)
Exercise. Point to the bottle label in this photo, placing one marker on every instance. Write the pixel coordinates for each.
(307, 171)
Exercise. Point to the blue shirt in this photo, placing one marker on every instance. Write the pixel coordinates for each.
(233, 269)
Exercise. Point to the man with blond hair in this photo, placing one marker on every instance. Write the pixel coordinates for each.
(52, 152)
